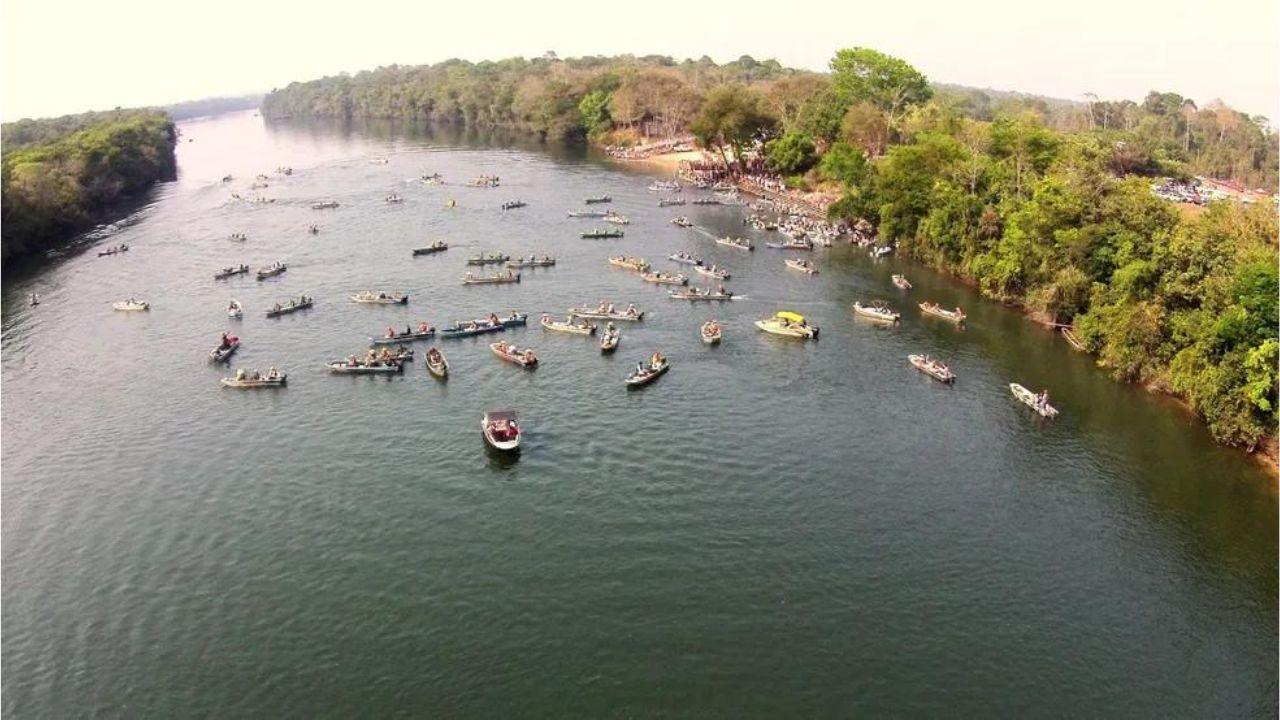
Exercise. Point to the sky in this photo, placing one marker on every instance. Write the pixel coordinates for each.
(64, 56)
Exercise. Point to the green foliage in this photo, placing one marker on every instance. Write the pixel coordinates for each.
(732, 117)
(595, 111)
(862, 74)
(790, 154)
(844, 164)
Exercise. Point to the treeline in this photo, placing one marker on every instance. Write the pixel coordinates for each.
(212, 106)
(59, 175)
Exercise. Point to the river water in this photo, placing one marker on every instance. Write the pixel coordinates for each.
(773, 529)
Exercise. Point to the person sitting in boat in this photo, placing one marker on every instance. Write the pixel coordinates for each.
(257, 375)
(631, 310)
(493, 318)
(423, 327)
(240, 374)
(273, 373)
(656, 360)
(639, 369)
(225, 342)
(391, 332)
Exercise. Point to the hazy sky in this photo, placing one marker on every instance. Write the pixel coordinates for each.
(61, 56)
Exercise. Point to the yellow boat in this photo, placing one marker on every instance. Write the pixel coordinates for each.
(788, 324)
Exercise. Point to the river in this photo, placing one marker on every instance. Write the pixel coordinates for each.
(773, 529)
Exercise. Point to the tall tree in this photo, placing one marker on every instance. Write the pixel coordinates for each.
(732, 117)
(889, 83)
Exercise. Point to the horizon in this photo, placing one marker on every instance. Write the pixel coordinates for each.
(973, 50)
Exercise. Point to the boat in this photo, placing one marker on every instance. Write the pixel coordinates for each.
(493, 258)
(515, 319)
(665, 186)
(498, 279)
(880, 251)
(464, 328)
(394, 198)
(227, 272)
(235, 309)
(532, 262)
(131, 305)
(292, 306)
(617, 219)
(325, 205)
(364, 367)
(432, 179)
(876, 312)
(737, 243)
(802, 265)
(681, 221)
(435, 247)
(35, 300)
(485, 181)
(1037, 402)
(601, 234)
(587, 213)
(711, 332)
(706, 201)
(512, 354)
(1073, 341)
(956, 316)
(114, 250)
(792, 244)
(272, 271)
(684, 258)
(788, 324)
(596, 199)
(379, 298)
(251, 381)
(718, 273)
(664, 278)
(226, 349)
(238, 237)
(567, 326)
(514, 204)
(696, 295)
(932, 367)
(902, 282)
(610, 338)
(606, 311)
(670, 202)
(378, 161)
(501, 430)
(645, 373)
(423, 332)
(436, 363)
(629, 263)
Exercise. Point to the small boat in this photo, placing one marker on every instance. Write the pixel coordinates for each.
(364, 367)
(596, 199)
(423, 332)
(706, 201)
(664, 278)
(435, 247)
(601, 234)
(325, 205)
(512, 354)
(532, 262)
(501, 430)
(251, 381)
(379, 298)
(587, 213)
(394, 198)
(292, 306)
(567, 326)
(711, 332)
(1073, 341)
(35, 300)
(514, 204)
(792, 244)
(223, 352)
(227, 178)
(665, 186)
(877, 312)
(932, 367)
(617, 219)
(670, 202)
(493, 258)
(629, 263)
(607, 312)
(737, 243)
(131, 305)
(718, 273)
(696, 295)
(880, 251)
(451, 203)
(235, 309)
(227, 272)
(436, 364)
(498, 279)
(681, 221)
(274, 270)
(485, 181)
(515, 319)
(378, 161)
(432, 179)
(463, 329)
(685, 258)
(1038, 402)
(114, 250)
(956, 316)
(645, 373)
(238, 237)
(610, 339)
(802, 265)
(902, 282)
(788, 324)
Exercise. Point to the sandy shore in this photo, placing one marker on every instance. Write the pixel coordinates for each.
(668, 161)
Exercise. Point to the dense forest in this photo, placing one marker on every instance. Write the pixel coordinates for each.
(59, 175)
(212, 106)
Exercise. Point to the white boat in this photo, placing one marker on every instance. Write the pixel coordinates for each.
(646, 373)
(902, 282)
(665, 278)
(802, 265)
(881, 251)
(610, 338)
(711, 332)
(685, 258)
(879, 313)
(379, 298)
(587, 213)
(567, 326)
(607, 312)
(712, 271)
(1034, 401)
(511, 353)
(736, 243)
(501, 430)
(617, 219)
(131, 305)
(956, 316)
(788, 324)
(932, 367)
(244, 380)
(235, 309)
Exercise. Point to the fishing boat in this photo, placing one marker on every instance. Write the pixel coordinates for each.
(464, 328)
(227, 272)
(665, 186)
(792, 244)
(877, 312)
(596, 199)
(610, 338)
(423, 332)
(714, 271)
(515, 319)
(932, 367)
(532, 262)
(567, 326)
(601, 234)
(695, 295)
(737, 243)
(956, 316)
(235, 309)
(432, 179)
(645, 373)
(685, 258)
(501, 430)
(378, 161)
(131, 305)
(435, 247)
(706, 201)
(272, 271)
(664, 278)
(788, 324)
(880, 251)
(325, 205)
(1038, 402)
(617, 219)
(253, 380)
(369, 297)
(498, 279)
(35, 300)
(902, 282)
(437, 365)
(493, 258)
(606, 311)
(485, 181)
(114, 250)
(514, 204)
(225, 349)
(292, 306)
(629, 263)
(394, 198)
(512, 354)
(681, 221)
(1073, 341)
(587, 213)
(238, 237)
(364, 367)
(711, 332)
(802, 265)
(670, 202)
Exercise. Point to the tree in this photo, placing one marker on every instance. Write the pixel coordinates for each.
(845, 164)
(732, 117)
(595, 111)
(790, 154)
(865, 126)
(787, 97)
(891, 84)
